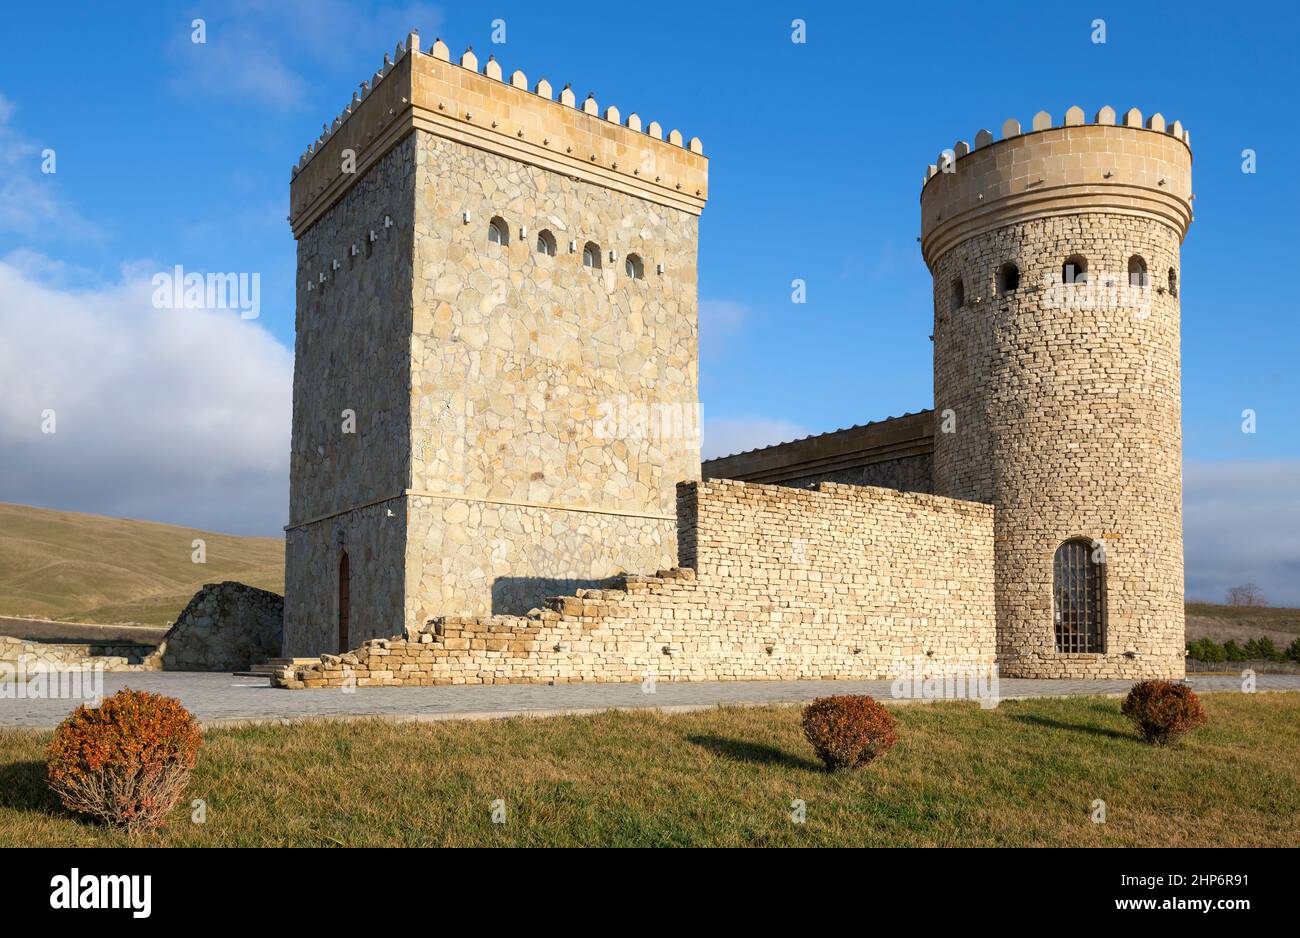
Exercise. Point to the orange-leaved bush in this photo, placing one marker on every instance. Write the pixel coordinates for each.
(126, 761)
(848, 731)
(1163, 711)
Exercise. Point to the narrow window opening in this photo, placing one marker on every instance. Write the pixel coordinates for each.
(545, 243)
(1137, 271)
(958, 297)
(635, 269)
(591, 255)
(498, 231)
(1075, 269)
(1008, 278)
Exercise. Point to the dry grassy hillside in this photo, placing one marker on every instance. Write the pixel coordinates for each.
(1242, 623)
(89, 568)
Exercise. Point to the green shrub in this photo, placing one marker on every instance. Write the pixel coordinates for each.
(1234, 651)
(848, 731)
(1293, 651)
(1163, 711)
(1262, 648)
(1206, 649)
(126, 761)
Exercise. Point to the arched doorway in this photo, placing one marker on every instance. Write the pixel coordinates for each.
(1079, 597)
(344, 602)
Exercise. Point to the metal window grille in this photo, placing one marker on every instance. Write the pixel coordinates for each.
(1079, 593)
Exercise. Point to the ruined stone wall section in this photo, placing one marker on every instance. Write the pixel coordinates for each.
(17, 654)
(226, 626)
(838, 583)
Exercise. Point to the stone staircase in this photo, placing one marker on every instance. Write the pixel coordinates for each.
(272, 666)
(498, 649)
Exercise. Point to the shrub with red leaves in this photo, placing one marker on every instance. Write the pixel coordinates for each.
(1163, 711)
(849, 731)
(126, 761)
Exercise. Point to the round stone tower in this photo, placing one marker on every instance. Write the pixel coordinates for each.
(1055, 257)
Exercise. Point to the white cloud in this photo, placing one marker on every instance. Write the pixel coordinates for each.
(254, 50)
(235, 62)
(720, 320)
(726, 436)
(30, 203)
(1241, 523)
(179, 416)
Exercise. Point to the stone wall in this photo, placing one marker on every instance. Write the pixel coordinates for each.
(554, 405)
(225, 627)
(126, 656)
(776, 583)
(1065, 398)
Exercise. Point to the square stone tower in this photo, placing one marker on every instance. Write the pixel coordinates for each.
(495, 375)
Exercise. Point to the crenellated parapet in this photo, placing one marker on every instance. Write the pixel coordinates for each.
(481, 106)
(1118, 163)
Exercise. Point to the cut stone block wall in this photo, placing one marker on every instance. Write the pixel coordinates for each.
(1063, 399)
(775, 584)
(1094, 452)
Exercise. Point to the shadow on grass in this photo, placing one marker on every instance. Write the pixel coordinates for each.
(738, 750)
(1074, 727)
(23, 787)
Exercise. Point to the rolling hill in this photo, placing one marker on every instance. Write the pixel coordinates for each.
(1242, 623)
(90, 568)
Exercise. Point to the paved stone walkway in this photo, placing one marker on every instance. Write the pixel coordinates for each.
(218, 699)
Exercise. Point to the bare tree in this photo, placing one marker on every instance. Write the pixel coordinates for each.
(1247, 594)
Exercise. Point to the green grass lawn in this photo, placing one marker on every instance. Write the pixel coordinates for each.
(1024, 774)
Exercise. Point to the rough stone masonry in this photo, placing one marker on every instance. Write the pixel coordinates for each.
(495, 411)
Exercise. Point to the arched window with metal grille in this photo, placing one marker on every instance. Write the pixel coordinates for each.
(1079, 597)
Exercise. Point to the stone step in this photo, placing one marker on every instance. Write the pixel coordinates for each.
(274, 665)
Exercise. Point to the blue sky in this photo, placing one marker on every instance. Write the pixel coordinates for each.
(170, 153)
